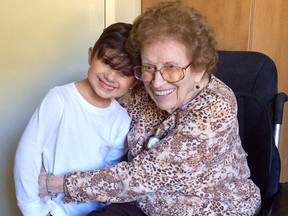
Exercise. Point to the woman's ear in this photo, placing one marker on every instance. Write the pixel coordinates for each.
(90, 55)
(200, 75)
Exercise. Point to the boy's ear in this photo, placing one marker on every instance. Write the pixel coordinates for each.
(90, 56)
(137, 82)
(134, 84)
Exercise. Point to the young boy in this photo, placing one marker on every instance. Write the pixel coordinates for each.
(78, 126)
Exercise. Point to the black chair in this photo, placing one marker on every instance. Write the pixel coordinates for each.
(253, 78)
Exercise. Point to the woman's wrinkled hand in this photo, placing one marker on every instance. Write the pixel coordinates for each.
(42, 184)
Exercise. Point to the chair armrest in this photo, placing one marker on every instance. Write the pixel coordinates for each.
(279, 107)
(278, 116)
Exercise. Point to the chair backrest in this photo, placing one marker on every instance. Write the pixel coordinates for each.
(253, 78)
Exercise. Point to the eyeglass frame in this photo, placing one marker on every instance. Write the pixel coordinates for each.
(155, 70)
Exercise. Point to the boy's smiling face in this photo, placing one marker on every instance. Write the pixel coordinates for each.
(105, 81)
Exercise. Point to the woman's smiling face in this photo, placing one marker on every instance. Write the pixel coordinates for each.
(167, 52)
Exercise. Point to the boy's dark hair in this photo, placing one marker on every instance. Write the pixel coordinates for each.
(111, 46)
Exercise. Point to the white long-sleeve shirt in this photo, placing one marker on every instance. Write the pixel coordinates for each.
(67, 134)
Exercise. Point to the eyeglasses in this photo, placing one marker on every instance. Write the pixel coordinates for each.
(169, 73)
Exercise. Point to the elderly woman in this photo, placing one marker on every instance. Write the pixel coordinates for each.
(185, 154)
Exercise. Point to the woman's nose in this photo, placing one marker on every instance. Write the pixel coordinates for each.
(158, 80)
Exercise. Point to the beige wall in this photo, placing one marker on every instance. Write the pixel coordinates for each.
(42, 44)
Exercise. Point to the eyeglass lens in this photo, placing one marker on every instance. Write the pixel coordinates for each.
(168, 73)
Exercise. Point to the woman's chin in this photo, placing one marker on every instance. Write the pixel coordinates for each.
(168, 107)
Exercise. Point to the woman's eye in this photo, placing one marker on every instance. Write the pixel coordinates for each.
(169, 68)
(149, 68)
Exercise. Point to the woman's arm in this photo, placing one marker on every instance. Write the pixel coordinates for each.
(176, 164)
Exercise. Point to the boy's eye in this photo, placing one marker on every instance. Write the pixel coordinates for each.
(106, 61)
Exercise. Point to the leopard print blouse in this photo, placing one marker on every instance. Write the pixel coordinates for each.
(197, 165)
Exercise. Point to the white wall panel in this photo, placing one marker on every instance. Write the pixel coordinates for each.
(121, 11)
